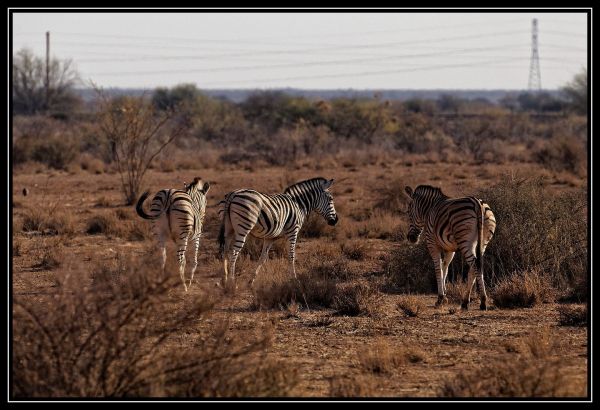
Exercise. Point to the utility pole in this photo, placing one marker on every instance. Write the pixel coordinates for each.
(47, 69)
(535, 80)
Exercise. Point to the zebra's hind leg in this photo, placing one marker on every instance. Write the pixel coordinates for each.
(470, 283)
(181, 248)
(263, 257)
(195, 265)
(292, 238)
(446, 259)
(482, 292)
(439, 275)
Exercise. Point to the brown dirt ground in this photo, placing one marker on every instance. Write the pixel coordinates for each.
(320, 345)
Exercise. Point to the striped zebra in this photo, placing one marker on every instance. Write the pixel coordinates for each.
(451, 224)
(248, 212)
(178, 214)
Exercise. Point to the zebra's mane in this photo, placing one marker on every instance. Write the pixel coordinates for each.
(429, 190)
(189, 188)
(306, 182)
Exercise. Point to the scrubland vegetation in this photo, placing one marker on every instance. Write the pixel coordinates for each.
(92, 316)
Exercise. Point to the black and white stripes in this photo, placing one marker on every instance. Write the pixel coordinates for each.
(178, 214)
(248, 212)
(466, 224)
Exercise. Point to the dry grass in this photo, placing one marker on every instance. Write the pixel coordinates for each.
(382, 358)
(573, 315)
(538, 372)
(360, 386)
(49, 221)
(356, 250)
(523, 289)
(410, 305)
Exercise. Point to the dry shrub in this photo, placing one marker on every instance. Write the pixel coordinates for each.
(409, 269)
(315, 227)
(91, 164)
(49, 221)
(122, 337)
(379, 357)
(106, 224)
(356, 250)
(360, 386)
(455, 291)
(577, 292)
(573, 315)
(535, 373)
(357, 299)
(275, 287)
(327, 262)
(410, 305)
(537, 229)
(103, 202)
(139, 232)
(51, 255)
(522, 289)
(563, 153)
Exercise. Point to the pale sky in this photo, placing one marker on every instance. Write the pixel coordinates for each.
(310, 50)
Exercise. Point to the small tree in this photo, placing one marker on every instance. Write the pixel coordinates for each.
(577, 92)
(137, 132)
(29, 92)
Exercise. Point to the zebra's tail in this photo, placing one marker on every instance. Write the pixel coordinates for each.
(140, 210)
(479, 250)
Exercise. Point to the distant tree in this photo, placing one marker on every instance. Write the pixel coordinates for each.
(182, 94)
(137, 132)
(450, 103)
(29, 93)
(540, 102)
(576, 92)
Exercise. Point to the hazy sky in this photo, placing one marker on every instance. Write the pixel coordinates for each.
(310, 50)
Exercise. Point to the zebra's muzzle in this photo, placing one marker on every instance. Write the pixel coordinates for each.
(332, 222)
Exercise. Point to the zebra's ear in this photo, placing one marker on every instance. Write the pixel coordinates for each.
(327, 184)
(205, 187)
(408, 191)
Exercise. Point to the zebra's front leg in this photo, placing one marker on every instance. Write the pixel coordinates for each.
(263, 257)
(195, 265)
(181, 258)
(292, 252)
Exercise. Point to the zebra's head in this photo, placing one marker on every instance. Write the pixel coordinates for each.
(196, 186)
(416, 219)
(324, 203)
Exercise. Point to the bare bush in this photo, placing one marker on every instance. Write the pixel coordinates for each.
(409, 269)
(121, 336)
(137, 132)
(361, 386)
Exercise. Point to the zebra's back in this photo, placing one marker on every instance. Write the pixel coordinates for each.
(264, 215)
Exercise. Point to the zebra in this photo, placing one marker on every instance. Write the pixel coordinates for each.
(270, 217)
(178, 214)
(450, 224)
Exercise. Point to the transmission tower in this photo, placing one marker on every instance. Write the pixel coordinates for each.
(535, 80)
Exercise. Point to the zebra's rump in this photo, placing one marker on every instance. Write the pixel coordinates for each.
(184, 215)
(456, 220)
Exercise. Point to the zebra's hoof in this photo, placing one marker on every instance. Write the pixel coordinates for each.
(464, 305)
(441, 301)
(483, 306)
